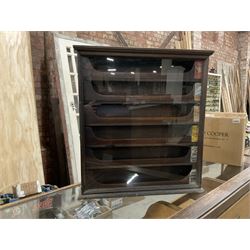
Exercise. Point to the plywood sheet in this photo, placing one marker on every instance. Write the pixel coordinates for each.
(20, 154)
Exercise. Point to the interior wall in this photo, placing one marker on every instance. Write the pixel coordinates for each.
(20, 152)
(146, 39)
(47, 103)
(46, 86)
(225, 45)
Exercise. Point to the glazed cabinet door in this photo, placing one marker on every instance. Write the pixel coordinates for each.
(140, 118)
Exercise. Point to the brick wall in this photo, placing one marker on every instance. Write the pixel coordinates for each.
(230, 47)
(244, 55)
(225, 45)
(47, 103)
(144, 39)
(51, 127)
(42, 99)
(46, 79)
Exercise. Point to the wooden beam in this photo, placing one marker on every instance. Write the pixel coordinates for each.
(167, 39)
(218, 200)
(120, 38)
(184, 40)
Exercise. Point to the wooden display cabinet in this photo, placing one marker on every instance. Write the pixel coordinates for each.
(141, 120)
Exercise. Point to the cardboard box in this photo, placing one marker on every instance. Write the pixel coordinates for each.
(25, 189)
(113, 203)
(224, 137)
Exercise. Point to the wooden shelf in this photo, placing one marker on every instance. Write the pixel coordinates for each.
(91, 96)
(91, 119)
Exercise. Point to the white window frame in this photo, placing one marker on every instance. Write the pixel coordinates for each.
(73, 135)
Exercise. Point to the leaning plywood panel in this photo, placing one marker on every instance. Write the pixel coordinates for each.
(20, 153)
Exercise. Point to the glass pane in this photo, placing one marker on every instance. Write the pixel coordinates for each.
(138, 176)
(76, 103)
(141, 118)
(76, 61)
(129, 153)
(73, 82)
(173, 133)
(153, 79)
(70, 64)
(143, 110)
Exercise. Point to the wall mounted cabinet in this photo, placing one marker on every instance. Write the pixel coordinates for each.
(141, 120)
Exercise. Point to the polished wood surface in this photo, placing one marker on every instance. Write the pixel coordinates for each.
(100, 50)
(240, 210)
(218, 200)
(208, 184)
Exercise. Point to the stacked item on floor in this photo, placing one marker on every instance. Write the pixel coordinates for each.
(7, 198)
(113, 203)
(92, 209)
(23, 190)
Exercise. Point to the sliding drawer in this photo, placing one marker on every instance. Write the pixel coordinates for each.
(145, 114)
(98, 93)
(158, 87)
(140, 156)
(143, 110)
(137, 176)
(99, 136)
(146, 80)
